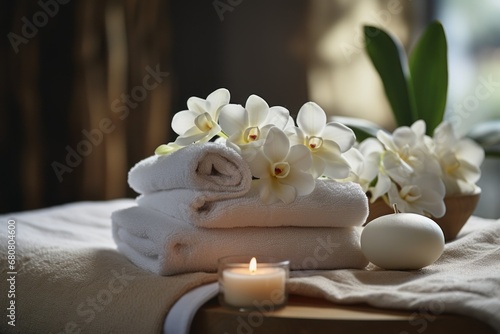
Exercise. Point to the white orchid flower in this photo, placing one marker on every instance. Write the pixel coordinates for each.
(364, 160)
(326, 141)
(356, 162)
(422, 194)
(247, 127)
(374, 168)
(282, 170)
(200, 122)
(460, 159)
(409, 146)
(244, 126)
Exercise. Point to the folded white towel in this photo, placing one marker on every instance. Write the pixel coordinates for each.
(209, 166)
(331, 204)
(167, 246)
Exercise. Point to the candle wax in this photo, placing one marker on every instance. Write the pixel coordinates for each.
(243, 288)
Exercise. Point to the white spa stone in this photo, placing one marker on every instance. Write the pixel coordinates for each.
(402, 241)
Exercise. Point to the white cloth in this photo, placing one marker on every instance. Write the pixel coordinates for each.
(464, 280)
(207, 167)
(331, 204)
(70, 278)
(167, 246)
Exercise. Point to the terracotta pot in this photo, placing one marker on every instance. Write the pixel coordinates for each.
(458, 210)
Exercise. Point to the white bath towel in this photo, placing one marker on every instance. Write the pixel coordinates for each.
(208, 167)
(331, 204)
(167, 246)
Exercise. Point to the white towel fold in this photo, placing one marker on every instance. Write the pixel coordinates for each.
(209, 167)
(331, 204)
(167, 246)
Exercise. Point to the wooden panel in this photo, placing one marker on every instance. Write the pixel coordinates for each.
(67, 78)
(309, 315)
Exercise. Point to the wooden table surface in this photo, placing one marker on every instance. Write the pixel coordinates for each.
(309, 315)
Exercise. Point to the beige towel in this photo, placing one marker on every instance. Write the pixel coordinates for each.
(167, 246)
(331, 204)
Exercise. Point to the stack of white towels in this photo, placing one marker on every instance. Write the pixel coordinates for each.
(197, 205)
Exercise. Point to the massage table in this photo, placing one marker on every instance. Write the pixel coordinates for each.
(68, 277)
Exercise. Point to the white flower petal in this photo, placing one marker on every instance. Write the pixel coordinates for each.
(418, 127)
(404, 136)
(258, 110)
(370, 145)
(329, 151)
(267, 195)
(295, 135)
(290, 126)
(303, 182)
(277, 145)
(340, 134)
(422, 194)
(300, 157)
(318, 167)
(468, 172)
(395, 167)
(355, 160)
(249, 151)
(233, 119)
(259, 165)
(337, 169)
(429, 181)
(468, 150)
(191, 136)
(401, 204)
(217, 99)
(433, 204)
(212, 133)
(370, 167)
(444, 136)
(386, 140)
(311, 119)
(286, 193)
(279, 117)
(383, 185)
(183, 121)
(197, 105)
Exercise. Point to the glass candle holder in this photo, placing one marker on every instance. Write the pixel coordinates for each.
(249, 283)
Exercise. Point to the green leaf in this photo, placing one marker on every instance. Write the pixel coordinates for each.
(362, 128)
(429, 75)
(389, 59)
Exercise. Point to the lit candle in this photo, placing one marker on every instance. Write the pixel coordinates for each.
(252, 285)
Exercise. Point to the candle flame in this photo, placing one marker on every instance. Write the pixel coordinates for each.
(253, 265)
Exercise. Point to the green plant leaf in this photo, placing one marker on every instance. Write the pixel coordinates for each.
(362, 128)
(389, 59)
(429, 75)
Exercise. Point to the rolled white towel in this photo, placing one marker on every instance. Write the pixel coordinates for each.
(167, 246)
(331, 204)
(208, 167)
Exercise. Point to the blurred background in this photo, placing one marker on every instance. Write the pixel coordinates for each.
(88, 88)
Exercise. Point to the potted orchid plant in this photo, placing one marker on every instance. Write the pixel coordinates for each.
(422, 166)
